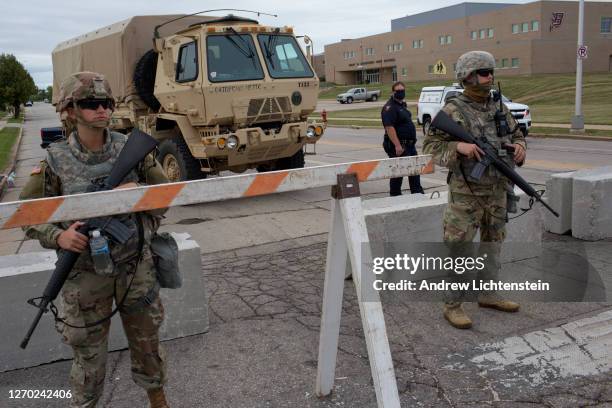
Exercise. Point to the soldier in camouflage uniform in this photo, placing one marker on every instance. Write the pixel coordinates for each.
(481, 204)
(85, 105)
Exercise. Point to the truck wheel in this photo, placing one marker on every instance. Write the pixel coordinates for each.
(426, 124)
(177, 161)
(294, 162)
(349, 100)
(374, 98)
(144, 79)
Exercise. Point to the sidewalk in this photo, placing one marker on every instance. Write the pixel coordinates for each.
(261, 350)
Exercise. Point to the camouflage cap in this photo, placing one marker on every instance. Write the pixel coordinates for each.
(472, 61)
(83, 85)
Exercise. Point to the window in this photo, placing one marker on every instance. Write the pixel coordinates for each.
(515, 28)
(417, 44)
(482, 34)
(535, 25)
(449, 39)
(442, 39)
(525, 27)
(491, 32)
(400, 46)
(455, 67)
(421, 42)
(430, 69)
(284, 57)
(515, 62)
(369, 51)
(504, 63)
(473, 35)
(606, 25)
(232, 57)
(394, 74)
(404, 71)
(187, 67)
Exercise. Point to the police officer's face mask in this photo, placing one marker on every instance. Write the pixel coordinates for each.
(399, 94)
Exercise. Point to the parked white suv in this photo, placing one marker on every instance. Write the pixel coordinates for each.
(433, 98)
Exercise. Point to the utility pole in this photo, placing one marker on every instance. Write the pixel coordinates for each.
(578, 118)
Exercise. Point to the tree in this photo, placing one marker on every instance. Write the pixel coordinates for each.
(16, 84)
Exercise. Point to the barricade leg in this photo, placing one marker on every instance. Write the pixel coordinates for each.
(348, 201)
(332, 302)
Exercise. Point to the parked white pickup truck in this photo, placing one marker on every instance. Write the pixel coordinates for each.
(358, 94)
(433, 98)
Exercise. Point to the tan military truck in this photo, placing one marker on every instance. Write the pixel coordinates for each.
(219, 93)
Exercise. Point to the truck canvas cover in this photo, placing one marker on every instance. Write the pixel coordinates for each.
(114, 51)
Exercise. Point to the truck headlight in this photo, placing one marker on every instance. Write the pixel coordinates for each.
(310, 133)
(232, 142)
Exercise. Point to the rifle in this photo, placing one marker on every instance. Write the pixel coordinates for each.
(137, 147)
(444, 122)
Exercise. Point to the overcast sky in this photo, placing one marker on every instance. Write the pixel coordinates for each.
(30, 29)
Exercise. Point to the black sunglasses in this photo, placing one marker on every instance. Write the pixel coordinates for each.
(93, 104)
(484, 72)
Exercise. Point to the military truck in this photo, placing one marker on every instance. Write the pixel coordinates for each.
(219, 93)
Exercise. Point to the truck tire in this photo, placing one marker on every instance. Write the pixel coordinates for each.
(177, 161)
(374, 98)
(144, 79)
(293, 162)
(426, 124)
(349, 100)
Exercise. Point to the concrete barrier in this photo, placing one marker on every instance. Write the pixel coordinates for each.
(417, 218)
(559, 196)
(24, 276)
(592, 207)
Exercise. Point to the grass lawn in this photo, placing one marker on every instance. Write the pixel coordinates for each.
(8, 136)
(565, 131)
(16, 120)
(550, 97)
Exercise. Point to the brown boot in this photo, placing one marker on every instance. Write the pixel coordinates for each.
(457, 317)
(498, 303)
(157, 398)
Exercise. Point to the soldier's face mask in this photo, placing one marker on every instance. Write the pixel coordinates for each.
(399, 94)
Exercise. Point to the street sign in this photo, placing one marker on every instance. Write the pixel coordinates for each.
(582, 52)
(439, 68)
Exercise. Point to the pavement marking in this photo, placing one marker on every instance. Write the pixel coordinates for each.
(580, 348)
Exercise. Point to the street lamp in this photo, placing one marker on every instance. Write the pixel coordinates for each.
(578, 118)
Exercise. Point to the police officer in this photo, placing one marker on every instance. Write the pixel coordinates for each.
(476, 204)
(128, 276)
(400, 136)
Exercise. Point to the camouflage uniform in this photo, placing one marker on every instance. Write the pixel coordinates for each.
(87, 296)
(479, 204)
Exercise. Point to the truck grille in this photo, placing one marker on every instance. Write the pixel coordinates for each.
(268, 109)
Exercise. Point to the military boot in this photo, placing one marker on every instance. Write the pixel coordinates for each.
(456, 316)
(498, 303)
(157, 398)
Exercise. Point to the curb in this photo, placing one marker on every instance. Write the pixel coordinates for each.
(572, 137)
(12, 162)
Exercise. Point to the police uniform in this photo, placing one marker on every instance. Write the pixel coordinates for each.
(396, 114)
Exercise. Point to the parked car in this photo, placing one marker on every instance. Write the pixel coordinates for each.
(358, 94)
(28, 103)
(433, 98)
(50, 135)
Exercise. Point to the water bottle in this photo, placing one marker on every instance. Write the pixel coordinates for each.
(100, 254)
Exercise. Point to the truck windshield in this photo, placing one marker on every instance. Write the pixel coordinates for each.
(232, 57)
(284, 57)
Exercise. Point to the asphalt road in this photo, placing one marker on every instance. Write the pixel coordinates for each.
(242, 223)
(264, 303)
